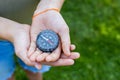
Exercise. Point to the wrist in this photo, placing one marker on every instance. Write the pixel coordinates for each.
(5, 29)
(9, 29)
(45, 11)
(48, 4)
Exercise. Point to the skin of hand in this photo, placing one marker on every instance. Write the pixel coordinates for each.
(54, 21)
(19, 35)
(63, 60)
(22, 43)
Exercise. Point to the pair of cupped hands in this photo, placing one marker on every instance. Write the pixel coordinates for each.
(25, 42)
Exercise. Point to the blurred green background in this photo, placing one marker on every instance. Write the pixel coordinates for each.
(95, 29)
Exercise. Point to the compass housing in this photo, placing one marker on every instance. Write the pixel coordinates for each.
(47, 41)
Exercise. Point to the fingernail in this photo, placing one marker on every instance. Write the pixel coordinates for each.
(48, 59)
(69, 53)
(37, 66)
(77, 56)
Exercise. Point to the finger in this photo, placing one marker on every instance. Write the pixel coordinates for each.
(35, 54)
(23, 56)
(72, 47)
(74, 55)
(60, 62)
(38, 66)
(32, 48)
(65, 40)
(34, 34)
(54, 55)
(42, 57)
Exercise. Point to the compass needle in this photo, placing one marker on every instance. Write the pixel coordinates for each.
(47, 41)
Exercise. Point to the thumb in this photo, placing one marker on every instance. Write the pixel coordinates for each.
(22, 54)
(65, 40)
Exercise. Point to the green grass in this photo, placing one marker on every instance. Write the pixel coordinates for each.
(95, 29)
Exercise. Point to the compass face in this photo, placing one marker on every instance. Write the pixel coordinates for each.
(47, 41)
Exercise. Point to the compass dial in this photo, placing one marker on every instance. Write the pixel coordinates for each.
(47, 41)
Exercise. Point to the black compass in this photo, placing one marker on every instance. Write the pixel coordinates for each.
(47, 41)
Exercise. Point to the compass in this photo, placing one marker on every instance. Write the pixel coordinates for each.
(47, 41)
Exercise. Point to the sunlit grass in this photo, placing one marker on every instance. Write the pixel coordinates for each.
(95, 29)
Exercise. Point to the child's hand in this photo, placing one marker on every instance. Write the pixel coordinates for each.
(19, 35)
(54, 21)
(21, 42)
(63, 60)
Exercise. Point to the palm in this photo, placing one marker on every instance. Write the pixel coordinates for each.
(43, 22)
(51, 20)
(21, 43)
